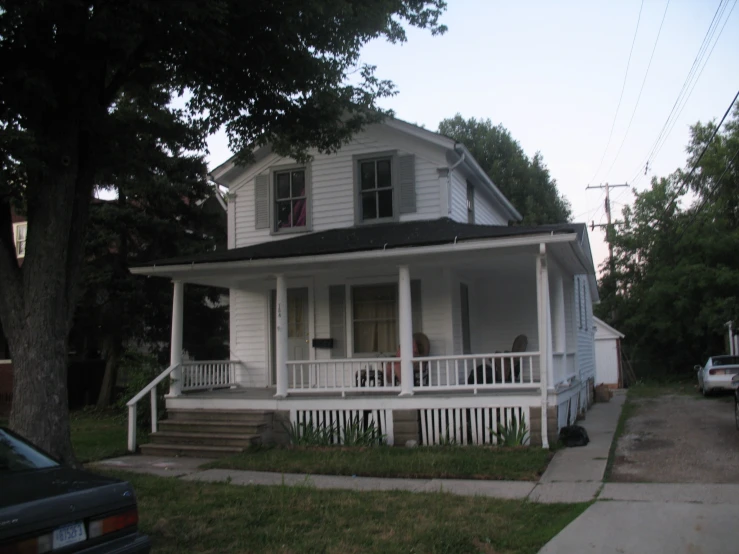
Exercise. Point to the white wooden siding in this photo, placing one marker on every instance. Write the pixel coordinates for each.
(249, 321)
(485, 212)
(459, 197)
(606, 361)
(332, 184)
(585, 329)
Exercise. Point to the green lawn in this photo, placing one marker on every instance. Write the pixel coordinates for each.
(471, 462)
(183, 516)
(653, 389)
(97, 435)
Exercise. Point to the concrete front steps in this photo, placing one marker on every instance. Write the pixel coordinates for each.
(209, 433)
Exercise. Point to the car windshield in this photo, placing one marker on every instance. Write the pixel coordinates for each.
(725, 360)
(18, 455)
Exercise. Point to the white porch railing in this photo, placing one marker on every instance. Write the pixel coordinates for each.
(462, 372)
(343, 375)
(194, 375)
(477, 371)
(212, 374)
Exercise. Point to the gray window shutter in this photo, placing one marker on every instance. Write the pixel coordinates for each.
(337, 319)
(416, 307)
(261, 202)
(407, 180)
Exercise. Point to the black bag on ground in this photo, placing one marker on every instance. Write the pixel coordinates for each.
(574, 435)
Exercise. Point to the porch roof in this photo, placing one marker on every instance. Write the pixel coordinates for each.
(383, 237)
(387, 241)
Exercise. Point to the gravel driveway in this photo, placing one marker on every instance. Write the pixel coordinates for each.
(679, 439)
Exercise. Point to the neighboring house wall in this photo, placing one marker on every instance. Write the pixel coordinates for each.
(332, 185)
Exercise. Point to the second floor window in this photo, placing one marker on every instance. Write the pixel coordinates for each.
(20, 239)
(376, 189)
(291, 206)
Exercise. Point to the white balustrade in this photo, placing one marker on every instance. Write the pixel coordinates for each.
(208, 375)
(463, 372)
(344, 375)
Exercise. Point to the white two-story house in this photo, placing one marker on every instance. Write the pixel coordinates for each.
(386, 282)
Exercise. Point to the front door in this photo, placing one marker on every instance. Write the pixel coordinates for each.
(298, 329)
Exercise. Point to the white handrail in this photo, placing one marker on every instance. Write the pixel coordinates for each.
(150, 389)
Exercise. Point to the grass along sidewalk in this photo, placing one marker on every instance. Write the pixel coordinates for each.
(184, 516)
(97, 434)
(449, 462)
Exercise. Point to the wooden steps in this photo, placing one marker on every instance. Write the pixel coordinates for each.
(209, 433)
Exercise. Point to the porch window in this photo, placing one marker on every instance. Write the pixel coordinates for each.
(291, 199)
(20, 239)
(376, 189)
(375, 319)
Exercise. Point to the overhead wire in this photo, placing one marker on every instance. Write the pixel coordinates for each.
(641, 89)
(620, 98)
(695, 82)
(687, 84)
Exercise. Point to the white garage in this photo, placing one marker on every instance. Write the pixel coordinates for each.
(607, 355)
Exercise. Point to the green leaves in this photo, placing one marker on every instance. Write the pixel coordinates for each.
(676, 273)
(525, 181)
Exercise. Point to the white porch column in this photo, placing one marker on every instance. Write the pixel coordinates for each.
(281, 337)
(405, 322)
(542, 304)
(175, 349)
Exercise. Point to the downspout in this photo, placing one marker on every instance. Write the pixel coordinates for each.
(449, 177)
(219, 197)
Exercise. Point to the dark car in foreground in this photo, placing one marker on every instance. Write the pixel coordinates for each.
(48, 507)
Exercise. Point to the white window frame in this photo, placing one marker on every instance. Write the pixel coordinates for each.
(357, 160)
(273, 199)
(16, 241)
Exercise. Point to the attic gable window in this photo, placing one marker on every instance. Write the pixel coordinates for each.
(20, 239)
(291, 199)
(376, 189)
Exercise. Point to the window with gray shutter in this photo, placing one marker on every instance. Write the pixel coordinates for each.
(407, 182)
(416, 310)
(337, 319)
(261, 202)
(470, 203)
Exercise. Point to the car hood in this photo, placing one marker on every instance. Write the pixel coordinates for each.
(36, 499)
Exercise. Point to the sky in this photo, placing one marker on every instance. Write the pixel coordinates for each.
(553, 74)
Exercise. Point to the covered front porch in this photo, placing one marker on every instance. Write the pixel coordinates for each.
(485, 325)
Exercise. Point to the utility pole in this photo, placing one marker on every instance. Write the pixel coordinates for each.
(607, 188)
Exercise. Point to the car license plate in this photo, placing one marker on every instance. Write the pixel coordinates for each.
(69, 534)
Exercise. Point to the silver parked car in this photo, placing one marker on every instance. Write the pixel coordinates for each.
(717, 374)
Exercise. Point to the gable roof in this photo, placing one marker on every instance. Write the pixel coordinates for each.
(605, 331)
(459, 155)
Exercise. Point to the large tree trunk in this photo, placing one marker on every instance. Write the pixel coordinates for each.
(112, 354)
(37, 301)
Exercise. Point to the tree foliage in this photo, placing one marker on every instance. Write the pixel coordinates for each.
(676, 273)
(85, 84)
(525, 181)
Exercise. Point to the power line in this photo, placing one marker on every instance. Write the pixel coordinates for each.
(620, 98)
(697, 162)
(712, 191)
(695, 81)
(686, 84)
(644, 81)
